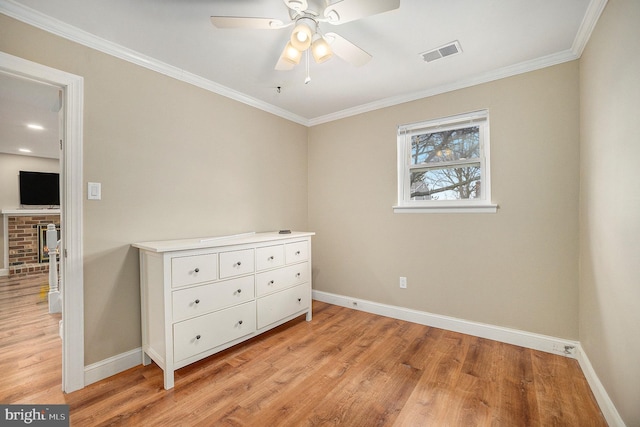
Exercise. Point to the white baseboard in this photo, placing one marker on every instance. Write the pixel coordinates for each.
(540, 342)
(497, 333)
(116, 364)
(111, 366)
(606, 405)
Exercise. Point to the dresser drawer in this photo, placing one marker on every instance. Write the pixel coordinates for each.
(202, 299)
(189, 270)
(235, 263)
(294, 252)
(205, 332)
(274, 280)
(269, 257)
(279, 305)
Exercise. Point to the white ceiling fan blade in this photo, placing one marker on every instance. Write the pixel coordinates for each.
(297, 5)
(350, 10)
(346, 50)
(245, 22)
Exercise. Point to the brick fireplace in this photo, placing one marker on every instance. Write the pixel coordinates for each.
(24, 233)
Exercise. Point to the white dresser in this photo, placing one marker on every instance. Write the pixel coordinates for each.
(201, 296)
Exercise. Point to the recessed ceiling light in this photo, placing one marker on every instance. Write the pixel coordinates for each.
(24, 150)
(35, 126)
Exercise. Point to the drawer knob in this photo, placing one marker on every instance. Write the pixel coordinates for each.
(239, 291)
(271, 258)
(197, 301)
(299, 299)
(297, 274)
(297, 252)
(240, 322)
(271, 282)
(197, 337)
(197, 270)
(238, 264)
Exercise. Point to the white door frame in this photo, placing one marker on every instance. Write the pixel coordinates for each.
(71, 212)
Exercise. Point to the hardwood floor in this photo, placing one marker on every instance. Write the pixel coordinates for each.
(344, 368)
(30, 347)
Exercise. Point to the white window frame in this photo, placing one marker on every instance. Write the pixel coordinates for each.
(482, 204)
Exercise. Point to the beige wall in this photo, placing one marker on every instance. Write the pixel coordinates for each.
(174, 161)
(10, 166)
(516, 268)
(610, 205)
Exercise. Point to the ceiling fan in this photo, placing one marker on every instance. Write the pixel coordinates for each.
(305, 17)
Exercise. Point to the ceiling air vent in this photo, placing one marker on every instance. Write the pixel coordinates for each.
(449, 49)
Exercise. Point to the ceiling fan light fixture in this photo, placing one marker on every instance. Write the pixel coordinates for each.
(291, 54)
(301, 35)
(320, 49)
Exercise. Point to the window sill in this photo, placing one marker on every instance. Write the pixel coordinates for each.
(475, 208)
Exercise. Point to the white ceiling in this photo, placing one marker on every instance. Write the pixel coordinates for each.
(26, 102)
(498, 38)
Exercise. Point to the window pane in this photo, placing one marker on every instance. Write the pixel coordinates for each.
(445, 146)
(453, 183)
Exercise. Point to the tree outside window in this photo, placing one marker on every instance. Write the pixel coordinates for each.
(444, 162)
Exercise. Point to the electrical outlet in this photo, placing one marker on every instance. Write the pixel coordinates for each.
(560, 348)
(403, 282)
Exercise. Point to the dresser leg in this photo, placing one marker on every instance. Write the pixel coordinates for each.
(308, 316)
(168, 380)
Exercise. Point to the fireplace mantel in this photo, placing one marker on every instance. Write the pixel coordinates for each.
(29, 212)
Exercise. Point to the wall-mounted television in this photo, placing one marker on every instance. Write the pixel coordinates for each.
(39, 188)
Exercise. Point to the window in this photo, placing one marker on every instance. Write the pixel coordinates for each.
(443, 165)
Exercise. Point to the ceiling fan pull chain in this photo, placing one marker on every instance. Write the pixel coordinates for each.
(308, 78)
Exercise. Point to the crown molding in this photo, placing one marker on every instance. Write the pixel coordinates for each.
(501, 73)
(594, 10)
(69, 32)
(588, 24)
(59, 28)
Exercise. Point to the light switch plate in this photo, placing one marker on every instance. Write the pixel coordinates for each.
(94, 191)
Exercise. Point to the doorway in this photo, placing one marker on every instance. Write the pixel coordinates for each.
(71, 267)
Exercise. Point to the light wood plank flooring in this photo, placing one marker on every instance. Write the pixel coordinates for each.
(30, 347)
(344, 368)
